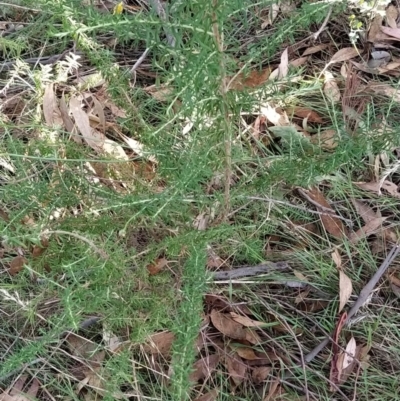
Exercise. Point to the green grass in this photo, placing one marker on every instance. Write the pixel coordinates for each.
(50, 190)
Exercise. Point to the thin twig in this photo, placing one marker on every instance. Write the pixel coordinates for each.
(324, 24)
(80, 237)
(139, 61)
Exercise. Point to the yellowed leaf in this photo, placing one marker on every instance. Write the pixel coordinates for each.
(345, 290)
(337, 259)
(284, 65)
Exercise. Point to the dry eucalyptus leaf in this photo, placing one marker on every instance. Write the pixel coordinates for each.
(16, 265)
(227, 326)
(236, 368)
(365, 212)
(344, 54)
(52, 114)
(314, 49)
(93, 138)
(393, 32)
(210, 396)
(345, 290)
(284, 65)
(327, 140)
(337, 259)
(203, 368)
(370, 228)
(246, 321)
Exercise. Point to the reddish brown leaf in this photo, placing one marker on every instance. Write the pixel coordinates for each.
(260, 373)
(157, 266)
(160, 343)
(253, 80)
(39, 250)
(227, 326)
(332, 224)
(236, 368)
(16, 265)
(304, 112)
(203, 368)
(210, 396)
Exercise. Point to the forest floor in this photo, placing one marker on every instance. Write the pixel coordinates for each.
(199, 200)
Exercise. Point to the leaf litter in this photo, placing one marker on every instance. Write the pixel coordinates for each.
(89, 125)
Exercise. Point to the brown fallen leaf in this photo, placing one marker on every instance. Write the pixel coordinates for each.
(365, 212)
(370, 228)
(315, 49)
(68, 123)
(332, 224)
(298, 62)
(393, 32)
(157, 266)
(236, 368)
(344, 54)
(16, 265)
(246, 321)
(303, 112)
(252, 80)
(203, 368)
(345, 290)
(227, 326)
(159, 343)
(95, 139)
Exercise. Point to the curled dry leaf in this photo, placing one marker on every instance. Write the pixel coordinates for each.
(350, 353)
(345, 290)
(16, 265)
